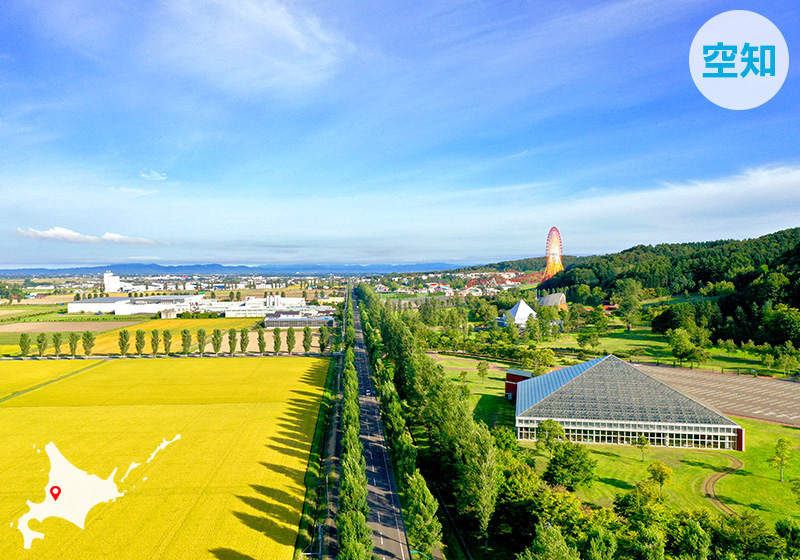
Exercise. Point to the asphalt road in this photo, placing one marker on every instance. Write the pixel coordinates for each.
(385, 515)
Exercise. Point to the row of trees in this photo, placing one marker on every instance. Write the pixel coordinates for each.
(161, 341)
(87, 339)
(355, 535)
(461, 455)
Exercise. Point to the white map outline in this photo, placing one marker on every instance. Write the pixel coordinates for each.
(80, 492)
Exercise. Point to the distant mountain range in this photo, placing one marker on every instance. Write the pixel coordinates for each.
(142, 269)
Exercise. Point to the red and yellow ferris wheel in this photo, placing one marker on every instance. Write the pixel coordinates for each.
(553, 252)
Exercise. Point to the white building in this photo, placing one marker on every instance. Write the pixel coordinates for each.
(149, 305)
(112, 283)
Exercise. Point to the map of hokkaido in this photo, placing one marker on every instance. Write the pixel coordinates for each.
(71, 493)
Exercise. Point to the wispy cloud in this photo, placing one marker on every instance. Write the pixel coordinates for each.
(152, 175)
(133, 191)
(58, 234)
(117, 238)
(245, 46)
(63, 234)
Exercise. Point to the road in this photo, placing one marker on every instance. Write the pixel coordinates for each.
(385, 515)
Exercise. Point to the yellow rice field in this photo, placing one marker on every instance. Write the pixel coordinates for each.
(231, 487)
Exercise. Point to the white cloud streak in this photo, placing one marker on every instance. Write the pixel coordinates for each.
(245, 46)
(152, 175)
(63, 234)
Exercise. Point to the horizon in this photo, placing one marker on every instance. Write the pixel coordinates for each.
(338, 132)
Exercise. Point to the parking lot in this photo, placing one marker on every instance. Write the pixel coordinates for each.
(762, 398)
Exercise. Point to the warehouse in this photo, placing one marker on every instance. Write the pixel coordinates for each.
(607, 400)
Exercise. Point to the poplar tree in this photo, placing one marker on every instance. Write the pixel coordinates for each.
(167, 341)
(124, 341)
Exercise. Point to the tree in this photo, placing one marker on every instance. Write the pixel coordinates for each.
(691, 540)
(290, 340)
(660, 473)
(589, 338)
(628, 296)
(602, 545)
(155, 341)
(216, 340)
(186, 341)
(73, 339)
(87, 339)
(648, 544)
(768, 360)
(139, 342)
(483, 370)
(276, 340)
(201, 341)
(642, 443)
(244, 339)
(323, 339)
(789, 531)
(231, 296)
(680, 344)
(238, 296)
(41, 344)
(548, 434)
(783, 454)
(307, 339)
(124, 341)
(477, 483)
(424, 529)
(570, 465)
(57, 340)
(167, 341)
(232, 334)
(261, 339)
(599, 319)
(549, 544)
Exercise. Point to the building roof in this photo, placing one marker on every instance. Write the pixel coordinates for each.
(110, 299)
(608, 388)
(519, 372)
(553, 300)
(521, 311)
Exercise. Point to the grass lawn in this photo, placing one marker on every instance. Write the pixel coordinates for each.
(757, 485)
(487, 399)
(231, 487)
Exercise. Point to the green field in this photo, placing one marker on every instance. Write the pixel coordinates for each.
(755, 487)
(230, 488)
(486, 398)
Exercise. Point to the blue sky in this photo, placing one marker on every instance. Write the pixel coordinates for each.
(258, 131)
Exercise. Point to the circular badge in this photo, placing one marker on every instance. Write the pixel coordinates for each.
(739, 60)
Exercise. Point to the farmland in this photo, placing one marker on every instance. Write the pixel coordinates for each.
(231, 487)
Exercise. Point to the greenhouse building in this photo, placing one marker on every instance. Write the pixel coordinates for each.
(607, 400)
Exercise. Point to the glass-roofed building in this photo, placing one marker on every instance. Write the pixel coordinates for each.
(607, 400)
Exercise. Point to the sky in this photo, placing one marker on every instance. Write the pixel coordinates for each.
(352, 132)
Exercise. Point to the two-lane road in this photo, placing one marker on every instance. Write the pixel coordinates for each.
(385, 515)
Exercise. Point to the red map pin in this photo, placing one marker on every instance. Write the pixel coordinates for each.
(55, 491)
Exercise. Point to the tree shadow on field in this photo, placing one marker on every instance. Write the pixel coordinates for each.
(229, 554)
(275, 512)
(702, 465)
(604, 453)
(616, 483)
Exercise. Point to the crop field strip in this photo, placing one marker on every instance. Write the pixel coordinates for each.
(231, 487)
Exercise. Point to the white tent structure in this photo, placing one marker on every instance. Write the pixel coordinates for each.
(520, 313)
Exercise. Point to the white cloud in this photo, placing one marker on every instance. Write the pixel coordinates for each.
(63, 234)
(152, 175)
(59, 234)
(245, 46)
(117, 238)
(133, 191)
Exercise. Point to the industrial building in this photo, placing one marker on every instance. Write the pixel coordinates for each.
(607, 400)
(148, 305)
